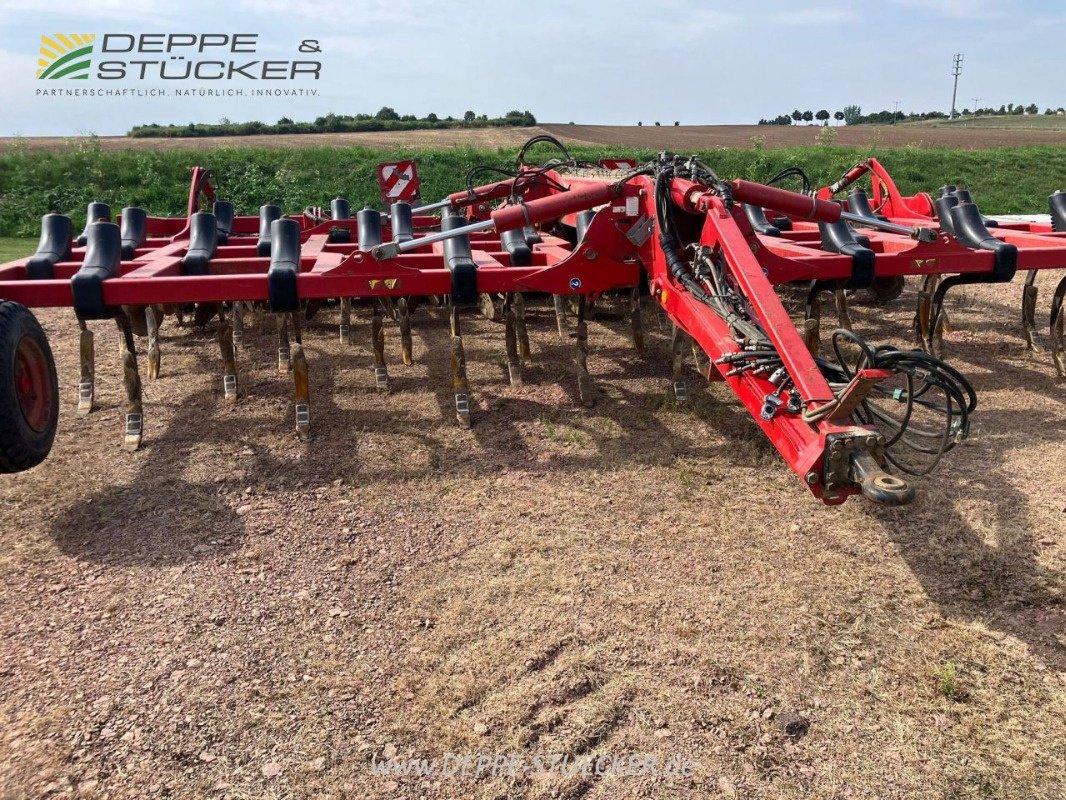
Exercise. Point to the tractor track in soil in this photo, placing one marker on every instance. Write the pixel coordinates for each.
(231, 613)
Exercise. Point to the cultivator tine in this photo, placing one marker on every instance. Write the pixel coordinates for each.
(843, 317)
(922, 314)
(152, 325)
(662, 319)
(460, 386)
(938, 322)
(1029, 295)
(377, 339)
(703, 363)
(403, 317)
(581, 336)
(636, 320)
(518, 305)
(812, 319)
(559, 301)
(489, 310)
(87, 383)
(346, 320)
(1058, 321)
(131, 382)
(302, 392)
(678, 340)
(226, 345)
(238, 323)
(514, 361)
(284, 350)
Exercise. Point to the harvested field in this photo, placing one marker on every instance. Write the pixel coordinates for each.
(704, 137)
(647, 137)
(481, 138)
(230, 613)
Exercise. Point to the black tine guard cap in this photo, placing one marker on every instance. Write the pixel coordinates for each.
(96, 211)
(970, 230)
(284, 265)
(514, 243)
(223, 211)
(54, 247)
(267, 215)
(837, 237)
(400, 221)
(203, 242)
(757, 219)
(134, 230)
(103, 256)
(1057, 206)
(340, 208)
(368, 227)
(944, 204)
(459, 260)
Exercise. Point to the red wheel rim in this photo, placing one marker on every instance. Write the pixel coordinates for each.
(33, 384)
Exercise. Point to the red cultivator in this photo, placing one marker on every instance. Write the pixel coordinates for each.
(709, 251)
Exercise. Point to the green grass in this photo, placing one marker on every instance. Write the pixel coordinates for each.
(1003, 180)
(947, 681)
(11, 248)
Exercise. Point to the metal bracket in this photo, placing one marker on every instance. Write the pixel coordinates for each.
(640, 231)
(303, 415)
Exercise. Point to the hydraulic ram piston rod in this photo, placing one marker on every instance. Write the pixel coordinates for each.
(812, 208)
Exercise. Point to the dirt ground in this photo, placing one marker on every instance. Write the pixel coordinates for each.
(229, 613)
(649, 137)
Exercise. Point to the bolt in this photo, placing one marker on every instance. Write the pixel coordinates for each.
(812, 477)
(871, 441)
(590, 254)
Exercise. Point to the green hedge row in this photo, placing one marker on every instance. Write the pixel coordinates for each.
(1003, 181)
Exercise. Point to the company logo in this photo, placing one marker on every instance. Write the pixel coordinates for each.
(65, 55)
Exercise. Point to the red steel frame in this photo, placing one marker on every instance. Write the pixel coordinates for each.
(607, 258)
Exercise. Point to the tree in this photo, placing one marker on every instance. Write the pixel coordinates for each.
(387, 113)
(469, 117)
(797, 115)
(431, 117)
(822, 116)
(838, 116)
(852, 115)
(1032, 108)
(808, 116)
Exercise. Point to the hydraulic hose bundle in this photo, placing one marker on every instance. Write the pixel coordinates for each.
(929, 384)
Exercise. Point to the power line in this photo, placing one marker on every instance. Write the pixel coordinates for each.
(956, 68)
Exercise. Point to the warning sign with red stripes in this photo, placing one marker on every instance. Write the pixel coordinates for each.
(618, 163)
(398, 181)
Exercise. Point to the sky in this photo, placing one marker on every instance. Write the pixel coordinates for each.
(590, 62)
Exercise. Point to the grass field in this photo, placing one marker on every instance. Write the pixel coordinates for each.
(32, 183)
(13, 247)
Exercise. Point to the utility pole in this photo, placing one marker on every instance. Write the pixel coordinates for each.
(896, 114)
(976, 101)
(956, 68)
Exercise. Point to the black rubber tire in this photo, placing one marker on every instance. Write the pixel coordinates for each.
(22, 447)
(885, 290)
